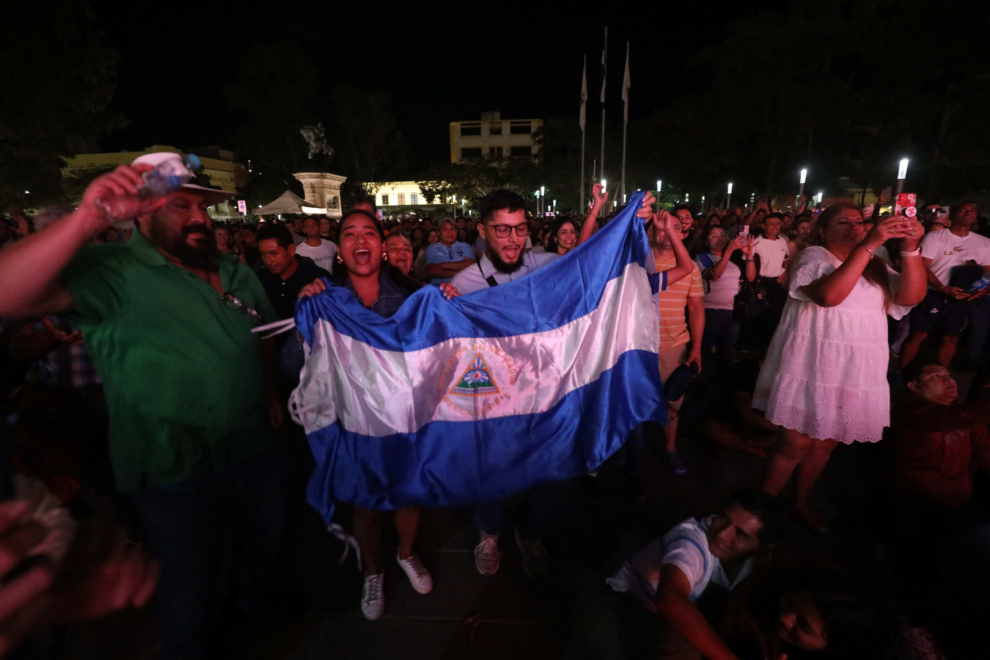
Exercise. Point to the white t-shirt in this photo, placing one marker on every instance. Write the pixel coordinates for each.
(772, 255)
(946, 250)
(720, 293)
(686, 547)
(323, 254)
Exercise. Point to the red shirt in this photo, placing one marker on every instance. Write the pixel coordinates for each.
(932, 444)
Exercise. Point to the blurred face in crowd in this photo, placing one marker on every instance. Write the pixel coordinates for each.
(964, 216)
(360, 245)
(311, 228)
(182, 229)
(927, 213)
(462, 234)
(400, 252)
(291, 226)
(222, 236)
(772, 224)
(249, 237)
(686, 220)
(324, 227)
(845, 229)
(801, 624)
(803, 230)
(277, 259)
(448, 233)
(935, 384)
(434, 236)
(460, 222)
(716, 240)
(506, 251)
(734, 533)
(567, 236)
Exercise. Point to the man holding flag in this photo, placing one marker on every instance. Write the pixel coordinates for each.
(503, 226)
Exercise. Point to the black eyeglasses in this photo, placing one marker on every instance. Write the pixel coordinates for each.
(503, 231)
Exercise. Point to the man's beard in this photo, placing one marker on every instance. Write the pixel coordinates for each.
(205, 257)
(501, 266)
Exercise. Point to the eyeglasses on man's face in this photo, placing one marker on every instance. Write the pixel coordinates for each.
(503, 231)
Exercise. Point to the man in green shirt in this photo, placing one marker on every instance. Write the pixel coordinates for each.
(168, 320)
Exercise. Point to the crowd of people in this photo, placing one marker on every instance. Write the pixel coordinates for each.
(131, 376)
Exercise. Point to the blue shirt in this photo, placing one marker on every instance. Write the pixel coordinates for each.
(438, 253)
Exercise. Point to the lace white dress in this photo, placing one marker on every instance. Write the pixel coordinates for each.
(825, 374)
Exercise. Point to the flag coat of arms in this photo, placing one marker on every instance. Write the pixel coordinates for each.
(461, 401)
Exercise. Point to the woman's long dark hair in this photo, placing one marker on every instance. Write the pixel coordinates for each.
(875, 271)
(552, 239)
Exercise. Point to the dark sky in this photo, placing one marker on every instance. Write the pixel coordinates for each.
(439, 62)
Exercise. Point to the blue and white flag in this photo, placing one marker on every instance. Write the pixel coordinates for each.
(483, 396)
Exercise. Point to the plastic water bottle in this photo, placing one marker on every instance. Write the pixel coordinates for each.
(981, 283)
(169, 176)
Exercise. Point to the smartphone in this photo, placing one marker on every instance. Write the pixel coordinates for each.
(745, 230)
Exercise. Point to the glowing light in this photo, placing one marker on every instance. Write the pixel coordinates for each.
(730, 188)
(804, 175)
(902, 169)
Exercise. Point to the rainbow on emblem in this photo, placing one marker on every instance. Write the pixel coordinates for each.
(477, 380)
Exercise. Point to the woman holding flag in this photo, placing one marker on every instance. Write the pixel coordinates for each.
(382, 288)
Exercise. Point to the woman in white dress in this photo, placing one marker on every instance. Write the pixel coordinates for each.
(824, 380)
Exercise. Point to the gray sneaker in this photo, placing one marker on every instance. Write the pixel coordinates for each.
(486, 555)
(534, 556)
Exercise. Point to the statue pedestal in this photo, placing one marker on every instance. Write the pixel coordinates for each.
(323, 191)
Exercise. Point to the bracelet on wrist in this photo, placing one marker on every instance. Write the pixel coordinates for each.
(913, 253)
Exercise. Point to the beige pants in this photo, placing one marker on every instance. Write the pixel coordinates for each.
(670, 359)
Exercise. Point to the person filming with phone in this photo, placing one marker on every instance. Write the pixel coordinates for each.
(949, 307)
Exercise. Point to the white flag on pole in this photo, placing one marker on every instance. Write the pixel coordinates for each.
(584, 92)
(625, 86)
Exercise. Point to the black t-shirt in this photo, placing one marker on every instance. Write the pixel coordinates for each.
(284, 293)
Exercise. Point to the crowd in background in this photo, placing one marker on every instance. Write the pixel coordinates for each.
(778, 338)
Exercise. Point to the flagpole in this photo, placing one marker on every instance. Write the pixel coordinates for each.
(625, 120)
(604, 69)
(584, 99)
(594, 173)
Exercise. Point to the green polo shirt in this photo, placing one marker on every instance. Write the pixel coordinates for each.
(180, 367)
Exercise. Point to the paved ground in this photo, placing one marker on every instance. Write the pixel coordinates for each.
(469, 616)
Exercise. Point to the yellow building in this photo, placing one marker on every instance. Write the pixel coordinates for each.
(218, 164)
(494, 137)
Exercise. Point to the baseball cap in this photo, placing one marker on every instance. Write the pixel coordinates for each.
(444, 221)
(212, 195)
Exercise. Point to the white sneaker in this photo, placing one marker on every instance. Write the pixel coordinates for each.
(486, 555)
(419, 577)
(373, 597)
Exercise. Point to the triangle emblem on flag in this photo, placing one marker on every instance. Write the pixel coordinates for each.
(477, 380)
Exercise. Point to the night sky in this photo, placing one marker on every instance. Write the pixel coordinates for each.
(438, 62)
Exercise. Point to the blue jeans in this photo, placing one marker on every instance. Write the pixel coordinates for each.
(187, 524)
(541, 505)
(722, 334)
(979, 328)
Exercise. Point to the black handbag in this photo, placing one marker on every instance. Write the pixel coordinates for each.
(751, 301)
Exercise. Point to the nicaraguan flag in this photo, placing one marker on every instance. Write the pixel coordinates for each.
(477, 398)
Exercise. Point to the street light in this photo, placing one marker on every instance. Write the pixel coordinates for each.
(687, 197)
(604, 185)
(804, 177)
(659, 186)
(901, 175)
(728, 200)
(820, 195)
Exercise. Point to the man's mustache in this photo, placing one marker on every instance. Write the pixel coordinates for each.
(195, 229)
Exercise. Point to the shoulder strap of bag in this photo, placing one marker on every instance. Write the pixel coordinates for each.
(488, 278)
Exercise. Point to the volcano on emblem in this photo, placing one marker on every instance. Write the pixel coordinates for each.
(477, 380)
